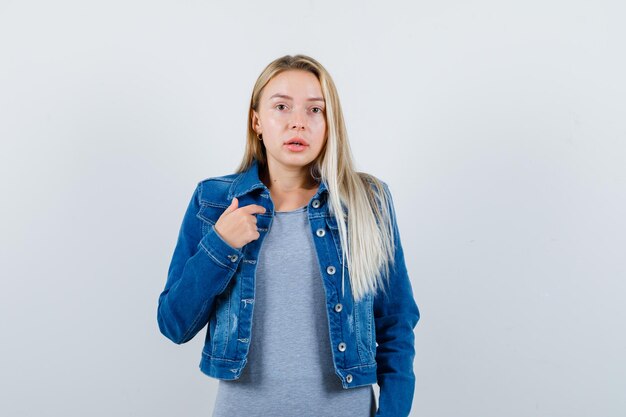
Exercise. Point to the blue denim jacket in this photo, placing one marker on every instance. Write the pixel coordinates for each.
(211, 282)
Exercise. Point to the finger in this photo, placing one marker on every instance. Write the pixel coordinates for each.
(233, 206)
(253, 209)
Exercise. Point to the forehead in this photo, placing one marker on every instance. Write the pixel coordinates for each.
(294, 83)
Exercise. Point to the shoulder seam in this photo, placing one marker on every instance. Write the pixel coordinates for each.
(223, 178)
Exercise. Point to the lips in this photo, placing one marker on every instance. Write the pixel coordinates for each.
(296, 141)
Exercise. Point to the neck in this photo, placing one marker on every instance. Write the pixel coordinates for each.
(285, 179)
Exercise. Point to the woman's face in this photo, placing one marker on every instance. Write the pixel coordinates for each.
(291, 109)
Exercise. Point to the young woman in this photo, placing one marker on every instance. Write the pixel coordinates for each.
(295, 262)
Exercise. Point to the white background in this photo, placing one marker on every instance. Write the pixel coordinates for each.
(499, 126)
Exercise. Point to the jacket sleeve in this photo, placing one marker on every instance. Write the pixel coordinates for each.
(200, 269)
(395, 314)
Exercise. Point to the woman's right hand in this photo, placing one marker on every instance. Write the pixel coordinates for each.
(237, 225)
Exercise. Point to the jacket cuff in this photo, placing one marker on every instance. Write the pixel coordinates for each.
(219, 250)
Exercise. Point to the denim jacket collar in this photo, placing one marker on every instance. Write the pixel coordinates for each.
(249, 180)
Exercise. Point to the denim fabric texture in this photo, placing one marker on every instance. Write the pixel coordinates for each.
(210, 282)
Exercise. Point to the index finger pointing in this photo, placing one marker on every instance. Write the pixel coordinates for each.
(253, 209)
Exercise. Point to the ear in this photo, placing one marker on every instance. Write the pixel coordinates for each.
(256, 123)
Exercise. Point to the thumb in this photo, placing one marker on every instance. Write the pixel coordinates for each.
(234, 204)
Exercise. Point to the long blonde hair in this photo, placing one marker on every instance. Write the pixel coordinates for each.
(368, 250)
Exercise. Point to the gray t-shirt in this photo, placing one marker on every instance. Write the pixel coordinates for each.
(290, 369)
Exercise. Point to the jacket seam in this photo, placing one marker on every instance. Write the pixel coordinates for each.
(206, 250)
(229, 320)
(365, 365)
(212, 357)
(195, 320)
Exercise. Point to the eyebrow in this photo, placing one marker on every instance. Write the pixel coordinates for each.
(291, 98)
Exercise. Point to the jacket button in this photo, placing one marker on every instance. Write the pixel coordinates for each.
(341, 347)
(233, 258)
(330, 270)
(315, 203)
(348, 378)
(320, 232)
(338, 307)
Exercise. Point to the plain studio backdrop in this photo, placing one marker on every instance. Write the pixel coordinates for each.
(499, 126)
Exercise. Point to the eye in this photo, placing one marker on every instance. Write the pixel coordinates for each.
(320, 110)
(280, 106)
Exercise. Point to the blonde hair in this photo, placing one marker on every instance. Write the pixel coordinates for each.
(366, 234)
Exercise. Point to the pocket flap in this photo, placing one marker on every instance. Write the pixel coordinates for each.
(210, 214)
(331, 222)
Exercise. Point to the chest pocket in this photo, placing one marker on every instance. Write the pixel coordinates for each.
(334, 231)
(209, 214)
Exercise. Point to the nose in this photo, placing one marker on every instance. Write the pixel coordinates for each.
(297, 121)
